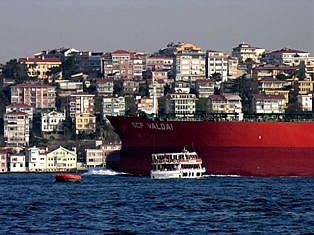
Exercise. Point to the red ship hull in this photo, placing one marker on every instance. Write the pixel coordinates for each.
(226, 148)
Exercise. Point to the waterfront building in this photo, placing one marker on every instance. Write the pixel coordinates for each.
(4, 161)
(85, 123)
(52, 122)
(61, 159)
(272, 86)
(226, 103)
(36, 159)
(305, 102)
(104, 87)
(204, 88)
(16, 129)
(17, 163)
(80, 103)
(39, 96)
(95, 158)
(268, 104)
(40, 67)
(217, 63)
(181, 104)
(189, 63)
(113, 106)
(245, 52)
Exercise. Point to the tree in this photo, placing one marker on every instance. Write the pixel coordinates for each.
(16, 71)
(216, 76)
(130, 106)
(201, 105)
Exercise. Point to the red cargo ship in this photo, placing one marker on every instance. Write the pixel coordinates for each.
(226, 148)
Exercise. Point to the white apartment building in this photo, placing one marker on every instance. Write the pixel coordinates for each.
(36, 159)
(147, 105)
(80, 103)
(61, 159)
(204, 88)
(17, 163)
(95, 158)
(16, 129)
(182, 104)
(113, 106)
(305, 102)
(29, 110)
(189, 63)
(226, 103)
(217, 62)
(3, 161)
(52, 122)
(268, 104)
(245, 51)
(159, 62)
(156, 88)
(291, 57)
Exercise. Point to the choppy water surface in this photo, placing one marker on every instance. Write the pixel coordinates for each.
(110, 203)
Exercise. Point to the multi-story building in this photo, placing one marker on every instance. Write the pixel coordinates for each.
(189, 63)
(182, 87)
(156, 88)
(305, 102)
(39, 96)
(181, 104)
(57, 53)
(131, 87)
(160, 74)
(36, 158)
(272, 86)
(113, 106)
(4, 161)
(95, 158)
(273, 71)
(304, 87)
(17, 163)
(268, 104)
(85, 123)
(287, 56)
(138, 66)
(217, 63)
(61, 159)
(104, 87)
(52, 122)
(306, 69)
(80, 103)
(159, 63)
(21, 108)
(68, 87)
(226, 103)
(89, 62)
(204, 88)
(40, 67)
(121, 64)
(16, 129)
(234, 69)
(245, 52)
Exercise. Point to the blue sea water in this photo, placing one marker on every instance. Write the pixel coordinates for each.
(120, 204)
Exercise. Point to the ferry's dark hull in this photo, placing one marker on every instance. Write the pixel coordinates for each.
(226, 148)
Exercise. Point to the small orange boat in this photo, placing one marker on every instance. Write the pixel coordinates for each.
(68, 178)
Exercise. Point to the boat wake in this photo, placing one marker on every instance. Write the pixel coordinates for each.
(104, 172)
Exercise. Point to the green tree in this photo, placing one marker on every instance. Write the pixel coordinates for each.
(16, 71)
(130, 107)
(201, 105)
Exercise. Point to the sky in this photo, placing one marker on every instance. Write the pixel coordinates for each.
(29, 26)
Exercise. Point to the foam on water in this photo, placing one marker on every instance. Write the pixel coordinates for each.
(104, 171)
(222, 175)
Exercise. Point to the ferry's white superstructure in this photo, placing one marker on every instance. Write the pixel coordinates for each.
(184, 164)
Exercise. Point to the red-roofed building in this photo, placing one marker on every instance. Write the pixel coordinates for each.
(39, 96)
(268, 104)
(291, 57)
(40, 67)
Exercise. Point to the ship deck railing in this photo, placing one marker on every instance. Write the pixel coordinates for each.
(236, 117)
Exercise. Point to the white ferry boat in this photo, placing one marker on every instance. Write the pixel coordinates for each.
(184, 164)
